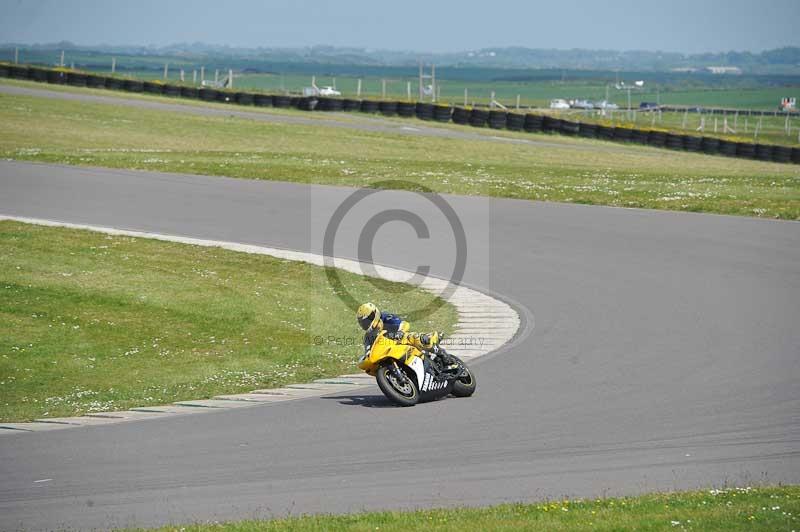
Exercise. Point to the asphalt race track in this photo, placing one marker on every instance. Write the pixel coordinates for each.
(665, 355)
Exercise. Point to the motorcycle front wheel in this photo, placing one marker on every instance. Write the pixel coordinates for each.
(402, 392)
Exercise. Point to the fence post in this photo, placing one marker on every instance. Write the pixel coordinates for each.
(466, 92)
(202, 74)
(16, 55)
(517, 102)
(408, 91)
(113, 62)
(183, 77)
(166, 71)
(383, 88)
(194, 76)
(62, 59)
(358, 89)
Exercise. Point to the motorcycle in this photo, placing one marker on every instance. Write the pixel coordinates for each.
(407, 375)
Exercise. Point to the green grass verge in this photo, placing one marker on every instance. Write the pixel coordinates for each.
(564, 170)
(94, 322)
(732, 509)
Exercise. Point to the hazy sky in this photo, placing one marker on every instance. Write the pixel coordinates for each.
(425, 25)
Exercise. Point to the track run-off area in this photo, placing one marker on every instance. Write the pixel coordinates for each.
(664, 356)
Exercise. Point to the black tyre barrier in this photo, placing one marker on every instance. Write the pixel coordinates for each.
(605, 132)
(113, 84)
(387, 108)
(424, 111)
(226, 97)
(691, 143)
(497, 119)
(656, 138)
(478, 117)
(515, 122)
(263, 100)
(330, 104)
(18, 72)
(172, 90)
(588, 131)
(727, 148)
(568, 127)
(96, 82)
(796, 155)
(550, 123)
(442, 113)
(709, 145)
(461, 116)
(763, 152)
(243, 98)
(38, 74)
(76, 79)
(406, 109)
(4, 71)
(781, 154)
(674, 142)
(153, 88)
(281, 101)
(532, 123)
(294, 101)
(189, 92)
(639, 136)
(369, 106)
(746, 150)
(623, 134)
(351, 105)
(309, 103)
(207, 95)
(132, 85)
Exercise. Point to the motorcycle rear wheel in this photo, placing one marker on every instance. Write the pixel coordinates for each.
(464, 386)
(400, 393)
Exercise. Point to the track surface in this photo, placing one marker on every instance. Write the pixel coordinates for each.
(665, 355)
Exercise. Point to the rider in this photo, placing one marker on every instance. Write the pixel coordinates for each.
(374, 321)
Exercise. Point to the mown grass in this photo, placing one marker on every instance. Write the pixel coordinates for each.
(563, 169)
(773, 509)
(94, 322)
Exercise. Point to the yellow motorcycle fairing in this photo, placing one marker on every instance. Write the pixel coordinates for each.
(384, 348)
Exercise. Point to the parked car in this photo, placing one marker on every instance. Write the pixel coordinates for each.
(582, 104)
(329, 91)
(606, 105)
(648, 106)
(559, 104)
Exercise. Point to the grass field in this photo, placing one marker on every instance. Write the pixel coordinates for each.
(768, 509)
(93, 322)
(564, 170)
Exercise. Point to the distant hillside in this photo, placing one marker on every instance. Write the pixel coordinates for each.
(778, 61)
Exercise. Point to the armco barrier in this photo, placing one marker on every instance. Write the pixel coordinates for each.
(495, 118)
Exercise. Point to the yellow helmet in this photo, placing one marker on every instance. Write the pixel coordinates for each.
(368, 316)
